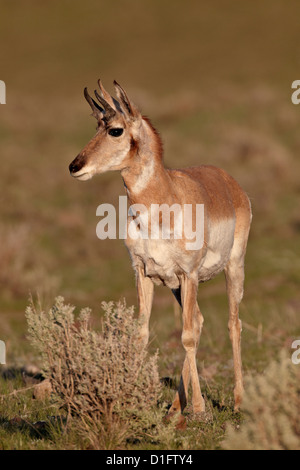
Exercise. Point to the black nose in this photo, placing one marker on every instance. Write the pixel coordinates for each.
(74, 167)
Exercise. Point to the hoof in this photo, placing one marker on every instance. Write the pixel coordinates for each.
(200, 407)
(181, 423)
(178, 419)
(237, 403)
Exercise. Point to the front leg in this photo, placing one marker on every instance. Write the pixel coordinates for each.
(145, 289)
(192, 325)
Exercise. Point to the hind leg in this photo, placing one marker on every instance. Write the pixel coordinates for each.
(234, 273)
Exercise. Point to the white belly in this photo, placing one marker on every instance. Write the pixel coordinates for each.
(219, 246)
(160, 259)
(165, 260)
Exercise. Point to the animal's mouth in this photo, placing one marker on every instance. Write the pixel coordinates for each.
(82, 176)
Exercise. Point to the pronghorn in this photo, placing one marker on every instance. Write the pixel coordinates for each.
(126, 141)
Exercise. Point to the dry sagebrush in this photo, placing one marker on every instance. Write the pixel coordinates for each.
(106, 378)
(272, 410)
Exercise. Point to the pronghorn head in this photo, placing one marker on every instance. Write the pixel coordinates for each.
(118, 125)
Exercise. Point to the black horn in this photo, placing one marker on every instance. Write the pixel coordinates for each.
(97, 110)
(108, 110)
(129, 108)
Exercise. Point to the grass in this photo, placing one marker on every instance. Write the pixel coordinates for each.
(216, 82)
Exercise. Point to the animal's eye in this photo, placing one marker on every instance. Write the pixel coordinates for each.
(116, 132)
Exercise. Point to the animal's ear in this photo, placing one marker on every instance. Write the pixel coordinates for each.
(129, 109)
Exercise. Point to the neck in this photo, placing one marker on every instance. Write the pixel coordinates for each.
(146, 175)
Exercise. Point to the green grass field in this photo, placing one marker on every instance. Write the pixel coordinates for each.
(215, 78)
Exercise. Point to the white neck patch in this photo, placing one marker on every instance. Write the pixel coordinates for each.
(144, 177)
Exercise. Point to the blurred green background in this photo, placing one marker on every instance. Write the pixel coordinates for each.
(215, 78)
